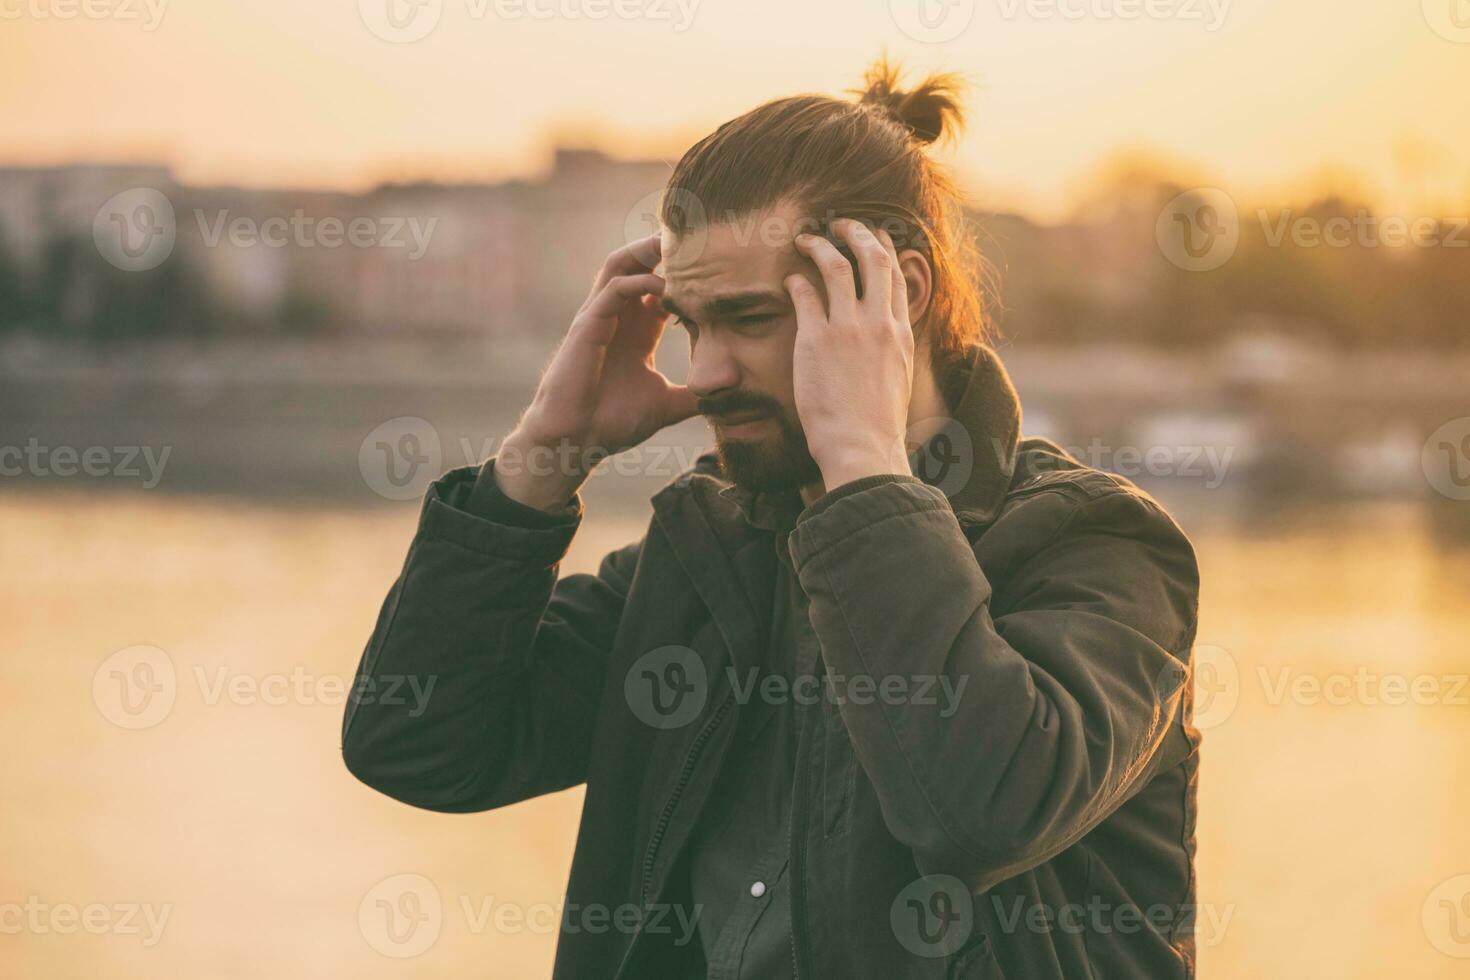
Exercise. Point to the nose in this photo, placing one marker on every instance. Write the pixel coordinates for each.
(712, 366)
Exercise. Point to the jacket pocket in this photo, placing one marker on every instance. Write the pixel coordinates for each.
(976, 962)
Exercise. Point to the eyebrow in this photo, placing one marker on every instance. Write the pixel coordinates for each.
(728, 304)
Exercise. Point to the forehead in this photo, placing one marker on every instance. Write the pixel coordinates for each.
(754, 250)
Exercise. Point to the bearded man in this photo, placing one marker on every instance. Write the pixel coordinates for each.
(885, 690)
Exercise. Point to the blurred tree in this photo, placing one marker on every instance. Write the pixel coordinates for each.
(16, 302)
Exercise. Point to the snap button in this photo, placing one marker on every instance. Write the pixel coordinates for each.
(758, 889)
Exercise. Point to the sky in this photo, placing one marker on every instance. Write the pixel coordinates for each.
(1261, 97)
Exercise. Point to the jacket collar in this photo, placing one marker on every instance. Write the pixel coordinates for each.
(989, 413)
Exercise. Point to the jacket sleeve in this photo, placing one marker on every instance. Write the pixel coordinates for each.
(480, 684)
(1061, 702)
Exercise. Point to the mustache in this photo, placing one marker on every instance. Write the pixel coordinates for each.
(739, 402)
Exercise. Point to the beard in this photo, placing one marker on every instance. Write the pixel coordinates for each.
(772, 464)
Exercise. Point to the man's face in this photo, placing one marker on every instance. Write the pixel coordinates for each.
(724, 286)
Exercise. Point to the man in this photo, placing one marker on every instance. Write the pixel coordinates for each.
(884, 691)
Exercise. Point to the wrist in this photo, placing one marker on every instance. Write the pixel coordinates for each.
(536, 475)
(845, 467)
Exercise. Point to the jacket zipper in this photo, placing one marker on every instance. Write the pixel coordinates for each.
(695, 750)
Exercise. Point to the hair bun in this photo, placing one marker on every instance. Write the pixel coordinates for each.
(930, 112)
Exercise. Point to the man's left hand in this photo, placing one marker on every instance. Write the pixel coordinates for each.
(853, 363)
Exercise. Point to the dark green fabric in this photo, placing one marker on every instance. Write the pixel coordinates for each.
(744, 836)
(1062, 782)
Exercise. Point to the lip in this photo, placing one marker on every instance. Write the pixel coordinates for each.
(742, 423)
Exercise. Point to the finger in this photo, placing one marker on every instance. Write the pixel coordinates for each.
(597, 322)
(680, 404)
(876, 266)
(900, 288)
(635, 258)
(837, 276)
(641, 326)
(806, 300)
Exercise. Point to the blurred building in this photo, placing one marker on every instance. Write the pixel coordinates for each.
(423, 258)
(39, 205)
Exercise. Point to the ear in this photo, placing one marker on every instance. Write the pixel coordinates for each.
(918, 277)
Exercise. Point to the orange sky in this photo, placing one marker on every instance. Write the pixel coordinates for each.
(1260, 96)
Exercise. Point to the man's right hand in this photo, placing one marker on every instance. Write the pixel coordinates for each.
(601, 394)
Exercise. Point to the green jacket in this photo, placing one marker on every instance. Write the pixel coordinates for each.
(999, 779)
